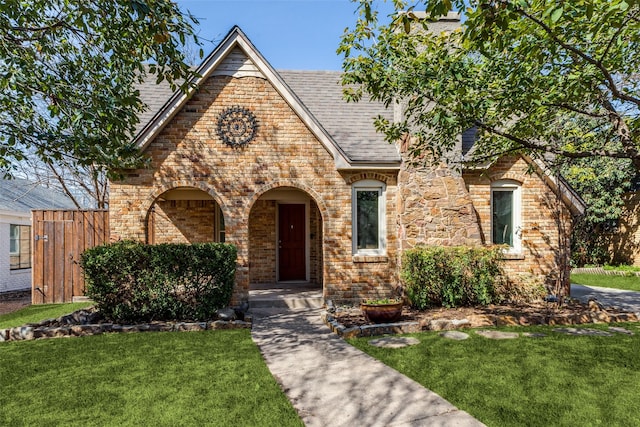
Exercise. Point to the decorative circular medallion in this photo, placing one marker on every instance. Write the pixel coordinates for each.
(237, 126)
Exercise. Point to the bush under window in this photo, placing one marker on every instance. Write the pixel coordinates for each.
(452, 276)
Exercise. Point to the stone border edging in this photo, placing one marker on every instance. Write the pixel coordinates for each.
(34, 331)
(494, 320)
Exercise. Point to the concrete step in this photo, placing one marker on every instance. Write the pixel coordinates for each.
(291, 298)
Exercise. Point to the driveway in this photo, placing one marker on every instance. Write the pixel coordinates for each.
(620, 299)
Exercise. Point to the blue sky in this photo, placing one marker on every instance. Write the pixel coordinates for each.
(291, 34)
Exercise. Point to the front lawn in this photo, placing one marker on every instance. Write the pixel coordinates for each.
(39, 312)
(629, 283)
(557, 380)
(143, 379)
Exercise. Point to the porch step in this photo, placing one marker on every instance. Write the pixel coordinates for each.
(285, 298)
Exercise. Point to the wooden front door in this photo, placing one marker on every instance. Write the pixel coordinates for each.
(292, 243)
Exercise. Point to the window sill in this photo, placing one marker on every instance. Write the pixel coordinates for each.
(512, 256)
(370, 258)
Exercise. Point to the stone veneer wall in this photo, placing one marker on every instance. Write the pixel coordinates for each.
(183, 221)
(435, 209)
(541, 250)
(188, 153)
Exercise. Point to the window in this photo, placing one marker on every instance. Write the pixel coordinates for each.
(19, 247)
(506, 223)
(369, 229)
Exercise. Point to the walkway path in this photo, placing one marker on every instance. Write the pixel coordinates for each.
(332, 383)
(620, 299)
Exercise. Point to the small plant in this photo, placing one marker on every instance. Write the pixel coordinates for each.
(382, 301)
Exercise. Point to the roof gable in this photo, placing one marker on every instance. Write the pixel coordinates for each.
(236, 56)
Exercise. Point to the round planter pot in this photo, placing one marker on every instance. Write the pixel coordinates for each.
(382, 313)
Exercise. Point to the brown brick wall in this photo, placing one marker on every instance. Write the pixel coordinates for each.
(262, 242)
(188, 153)
(543, 244)
(183, 221)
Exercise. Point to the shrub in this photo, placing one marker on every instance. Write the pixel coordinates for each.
(132, 282)
(451, 276)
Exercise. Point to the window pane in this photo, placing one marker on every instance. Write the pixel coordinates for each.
(14, 239)
(367, 218)
(503, 217)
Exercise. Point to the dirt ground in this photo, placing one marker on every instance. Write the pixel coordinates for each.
(8, 306)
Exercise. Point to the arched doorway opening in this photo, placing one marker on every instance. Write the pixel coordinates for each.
(285, 241)
(185, 215)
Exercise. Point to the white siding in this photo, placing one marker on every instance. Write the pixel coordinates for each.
(237, 64)
(12, 280)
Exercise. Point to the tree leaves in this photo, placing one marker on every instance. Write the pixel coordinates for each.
(536, 76)
(69, 70)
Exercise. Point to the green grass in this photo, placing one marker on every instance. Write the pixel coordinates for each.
(37, 313)
(144, 379)
(617, 282)
(557, 380)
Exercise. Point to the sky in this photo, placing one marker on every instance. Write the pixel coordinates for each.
(290, 34)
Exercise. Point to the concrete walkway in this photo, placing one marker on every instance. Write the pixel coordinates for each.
(331, 383)
(618, 298)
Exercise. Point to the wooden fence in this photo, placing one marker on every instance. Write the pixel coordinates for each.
(60, 237)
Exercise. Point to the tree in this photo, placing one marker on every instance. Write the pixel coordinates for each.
(534, 76)
(68, 75)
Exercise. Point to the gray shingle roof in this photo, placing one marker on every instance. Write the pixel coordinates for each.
(349, 124)
(21, 195)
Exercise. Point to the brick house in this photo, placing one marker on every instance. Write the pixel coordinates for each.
(278, 164)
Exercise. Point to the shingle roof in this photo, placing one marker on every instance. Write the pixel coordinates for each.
(21, 195)
(349, 124)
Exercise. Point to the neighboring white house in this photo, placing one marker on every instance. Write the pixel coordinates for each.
(17, 198)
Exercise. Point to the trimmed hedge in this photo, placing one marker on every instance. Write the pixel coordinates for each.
(451, 276)
(134, 282)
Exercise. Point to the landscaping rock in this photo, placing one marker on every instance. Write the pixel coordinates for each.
(620, 330)
(498, 335)
(21, 333)
(226, 314)
(394, 342)
(585, 331)
(594, 305)
(454, 335)
(184, 326)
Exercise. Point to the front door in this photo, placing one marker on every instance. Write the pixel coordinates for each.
(291, 244)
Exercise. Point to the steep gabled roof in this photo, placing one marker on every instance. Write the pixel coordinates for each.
(349, 124)
(21, 195)
(339, 127)
(346, 130)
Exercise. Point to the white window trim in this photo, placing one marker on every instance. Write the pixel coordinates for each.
(16, 252)
(516, 188)
(380, 187)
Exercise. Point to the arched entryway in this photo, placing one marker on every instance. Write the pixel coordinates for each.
(285, 241)
(185, 215)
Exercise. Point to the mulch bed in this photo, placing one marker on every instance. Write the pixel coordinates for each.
(496, 315)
